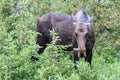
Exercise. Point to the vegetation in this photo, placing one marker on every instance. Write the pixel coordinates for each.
(17, 41)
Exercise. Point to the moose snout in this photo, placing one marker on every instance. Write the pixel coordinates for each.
(82, 49)
(81, 52)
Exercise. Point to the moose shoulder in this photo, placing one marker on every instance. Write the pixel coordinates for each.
(72, 29)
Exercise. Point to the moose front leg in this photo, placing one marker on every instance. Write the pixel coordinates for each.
(88, 57)
(76, 58)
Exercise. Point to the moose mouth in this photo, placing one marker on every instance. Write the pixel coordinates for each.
(83, 54)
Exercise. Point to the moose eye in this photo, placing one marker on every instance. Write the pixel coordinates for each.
(86, 35)
(76, 34)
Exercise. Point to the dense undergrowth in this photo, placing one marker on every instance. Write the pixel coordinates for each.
(17, 41)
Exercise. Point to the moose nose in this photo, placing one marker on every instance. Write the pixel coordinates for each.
(82, 50)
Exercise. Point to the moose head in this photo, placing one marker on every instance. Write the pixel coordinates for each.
(81, 22)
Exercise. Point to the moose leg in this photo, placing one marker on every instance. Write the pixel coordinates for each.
(75, 57)
(42, 40)
(41, 43)
(88, 57)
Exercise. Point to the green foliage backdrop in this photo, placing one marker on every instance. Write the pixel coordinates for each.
(17, 41)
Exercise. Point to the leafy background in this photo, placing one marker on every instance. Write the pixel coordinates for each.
(17, 41)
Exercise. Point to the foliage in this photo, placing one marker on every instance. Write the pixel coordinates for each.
(18, 44)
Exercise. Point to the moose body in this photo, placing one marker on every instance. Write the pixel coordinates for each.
(75, 30)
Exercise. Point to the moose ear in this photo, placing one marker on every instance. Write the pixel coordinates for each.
(74, 23)
(90, 20)
(73, 19)
(88, 24)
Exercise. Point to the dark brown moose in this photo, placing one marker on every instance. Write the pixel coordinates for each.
(75, 30)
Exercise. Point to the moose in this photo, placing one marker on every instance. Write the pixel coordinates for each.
(75, 30)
